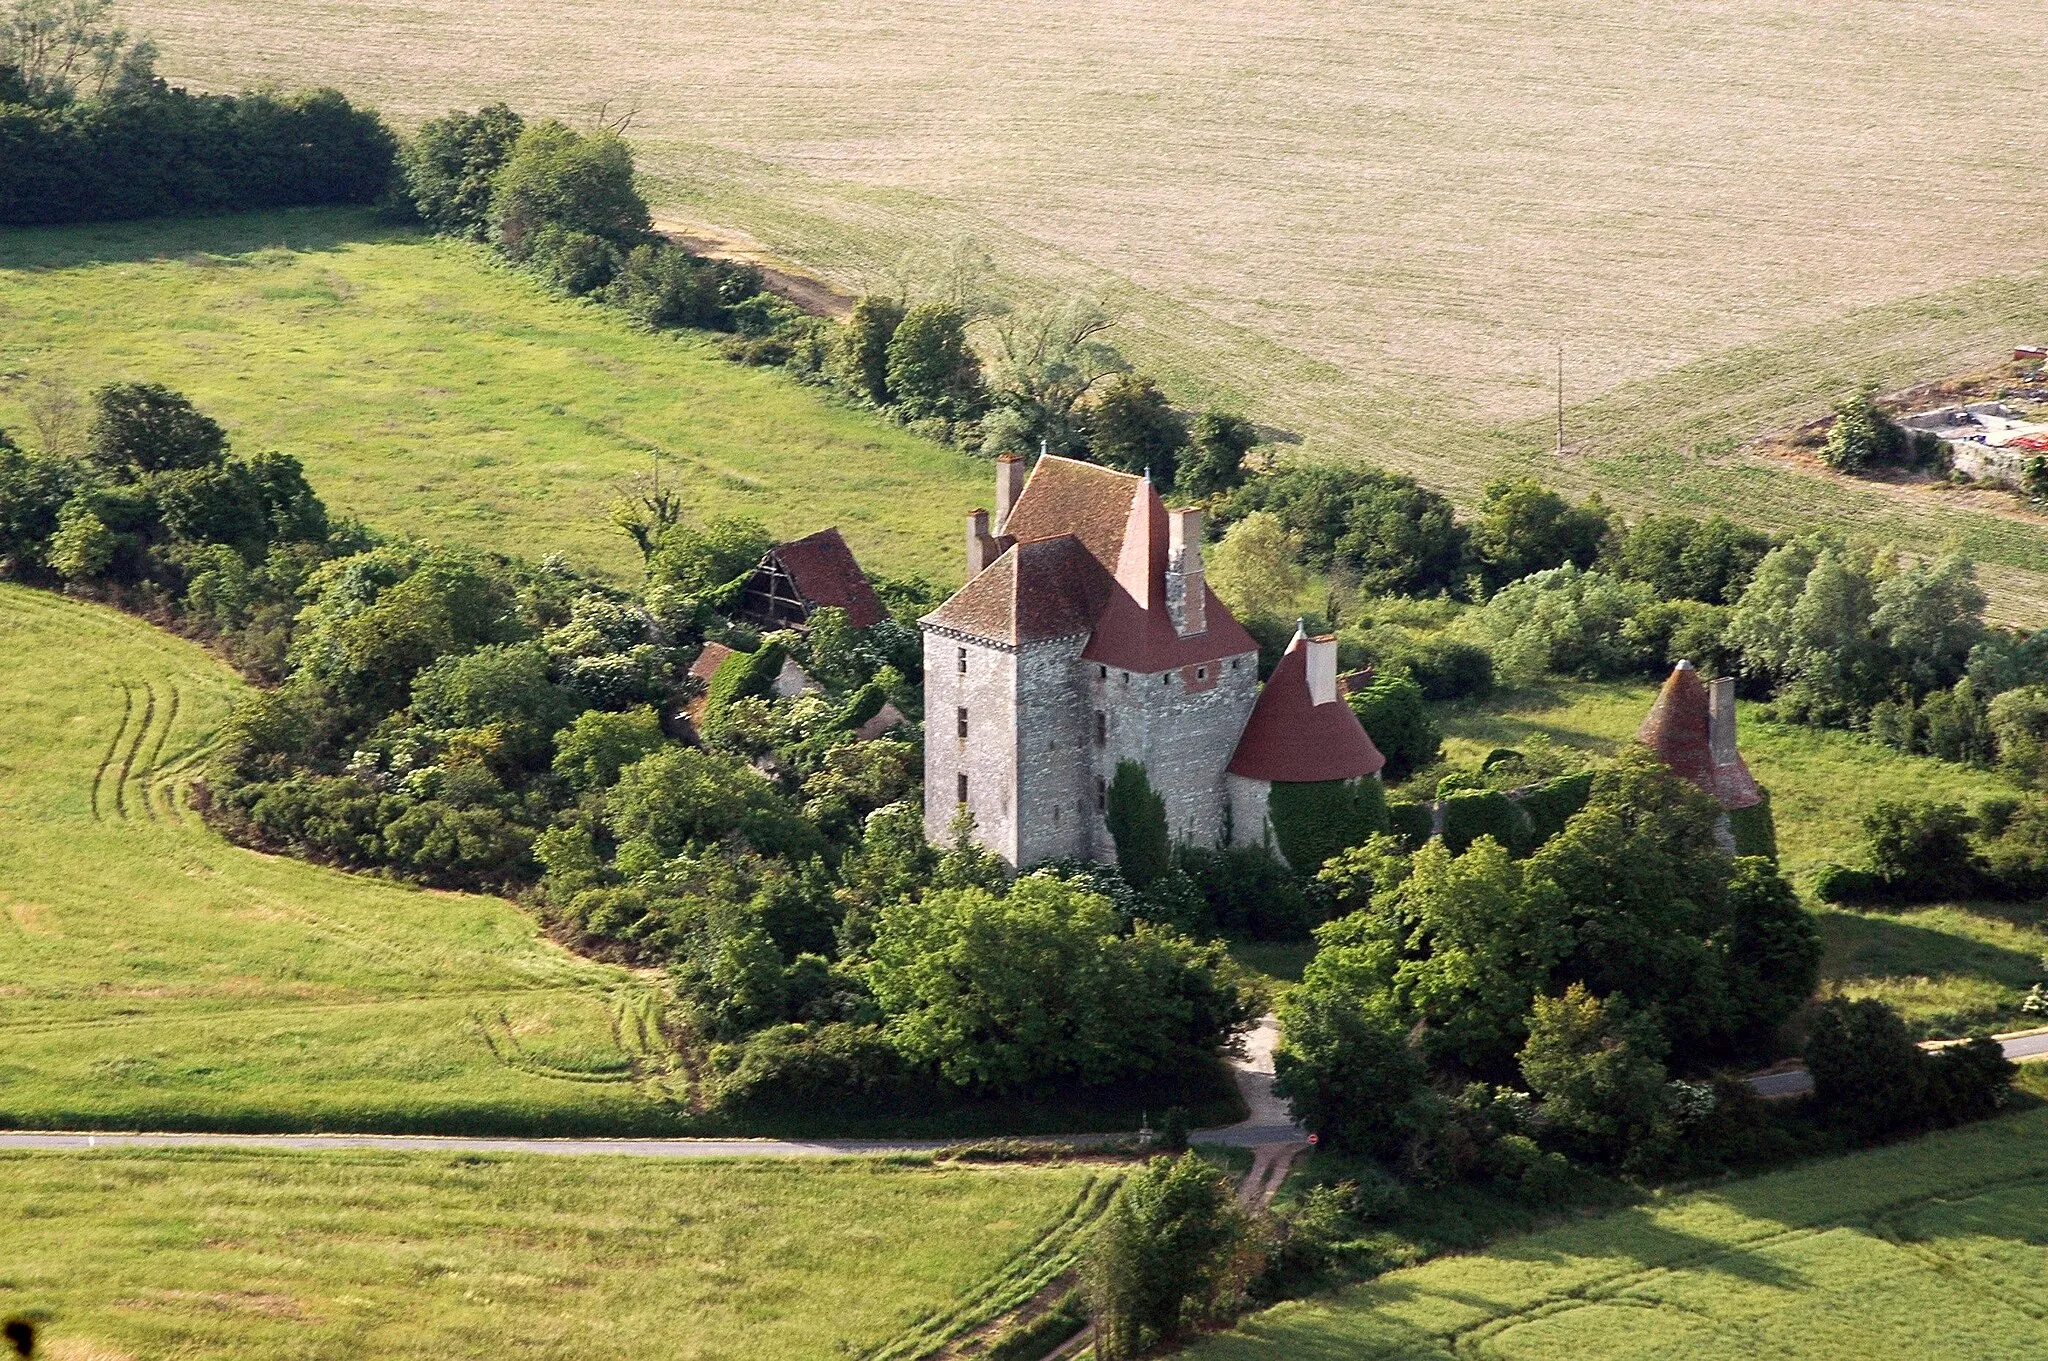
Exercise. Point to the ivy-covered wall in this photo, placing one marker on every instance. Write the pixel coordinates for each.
(741, 674)
(1314, 821)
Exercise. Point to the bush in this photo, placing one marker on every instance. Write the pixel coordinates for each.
(1412, 824)
(1345, 1065)
(1869, 1078)
(1137, 824)
(1551, 804)
(561, 194)
(932, 372)
(1249, 893)
(1396, 536)
(163, 152)
(450, 164)
(1158, 1261)
(1598, 1069)
(1392, 711)
(1922, 851)
(794, 1070)
(742, 675)
(1844, 886)
(1315, 821)
(1467, 817)
(1445, 668)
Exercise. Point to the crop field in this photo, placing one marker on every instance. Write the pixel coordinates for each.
(157, 977)
(1947, 968)
(1929, 1249)
(1370, 226)
(431, 392)
(296, 1255)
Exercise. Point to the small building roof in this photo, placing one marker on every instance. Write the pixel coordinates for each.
(1679, 728)
(1037, 590)
(826, 575)
(1290, 739)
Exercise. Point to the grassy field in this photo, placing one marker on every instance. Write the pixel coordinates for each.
(1929, 1249)
(1370, 226)
(1947, 968)
(305, 1255)
(156, 976)
(433, 393)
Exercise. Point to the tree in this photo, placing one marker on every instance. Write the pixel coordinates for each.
(1005, 994)
(1396, 536)
(1137, 824)
(1394, 715)
(1685, 559)
(1833, 661)
(1861, 437)
(1214, 461)
(1345, 1065)
(1524, 527)
(1048, 360)
(679, 798)
(592, 752)
(932, 371)
(451, 165)
(663, 287)
(147, 428)
(1597, 1067)
(2019, 725)
(1257, 568)
(864, 347)
(1923, 850)
(1773, 950)
(1931, 615)
(1159, 1258)
(32, 491)
(1132, 426)
(1570, 622)
(59, 50)
(83, 547)
(502, 684)
(1868, 1075)
(558, 184)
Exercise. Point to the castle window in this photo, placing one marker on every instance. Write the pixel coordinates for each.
(960, 724)
(1103, 672)
(1101, 793)
(1127, 678)
(1233, 663)
(1166, 679)
(963, 661)
(1201, 673)
(1101, 728)
(960, 788)
(1055, 815)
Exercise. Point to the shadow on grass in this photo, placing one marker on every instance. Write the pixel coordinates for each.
(170, 238)
(1872, 944)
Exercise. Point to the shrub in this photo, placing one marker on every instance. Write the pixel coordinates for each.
(1844, 886)
(1467, 817)
(864, 348)
(1249, 893)
(1868, 1076)
(1392, 711)
(1598, 1069)
(1214, 461)
(1131, 425)
(559, 188)
(1969, 1081)
(449, 166)
(798, 1070)
(1314, 821)
(932, 371)
(1445, 668)
(1551, 804)
(1412, 824)
(1344, 1064)
(1158, 1260)
(1137, 824)
(1395, 535)
(1523, 527)
(1922, 850)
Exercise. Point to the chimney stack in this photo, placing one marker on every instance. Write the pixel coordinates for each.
(1322, 669)
(1187, 597)
(1721, 722)
(1009, 486)
(982, 548)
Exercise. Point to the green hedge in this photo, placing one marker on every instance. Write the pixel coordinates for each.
(738, 676)
(1316, 820)
(1756, 832)
(1467, 817)
(865, 704)
(1550, 805)
(1842, 885)
(1413, 823)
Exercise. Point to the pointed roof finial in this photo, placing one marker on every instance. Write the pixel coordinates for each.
(1300, 627)
(1041, 446)
(1148, 474)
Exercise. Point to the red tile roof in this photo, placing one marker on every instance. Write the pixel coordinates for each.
(826, 575)
(1292, 740)
(1089, 557)
(1679, 728)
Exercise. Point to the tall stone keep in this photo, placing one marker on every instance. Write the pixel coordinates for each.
(1086, 636)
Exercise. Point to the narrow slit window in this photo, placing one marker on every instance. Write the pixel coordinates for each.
(962, 660)
(1201, 673)
(960, 724)
(1103, 672)
(1101, 793)
(960, 788)
(1101, 728)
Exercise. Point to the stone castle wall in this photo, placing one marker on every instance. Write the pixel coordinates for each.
(1182, 726)
(988, 755)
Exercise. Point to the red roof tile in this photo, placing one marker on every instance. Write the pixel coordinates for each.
(826, 575)
(1047, 588)
(1291, 740)
(1086, 500)
(1679, 729)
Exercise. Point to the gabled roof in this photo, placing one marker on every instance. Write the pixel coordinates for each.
(824, 570)
(1047, 588)
(1679, 728)
(1290, 739)
(1087, 555)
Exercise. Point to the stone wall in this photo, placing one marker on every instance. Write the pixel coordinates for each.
(987, 756)
(1182, 726)
(1055, 791)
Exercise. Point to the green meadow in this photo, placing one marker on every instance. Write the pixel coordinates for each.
(434, 392)
(1929, 1249)
(155, 976)
(1947, 968)
(281, 1255)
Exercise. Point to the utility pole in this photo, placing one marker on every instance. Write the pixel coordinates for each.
(1560, 399)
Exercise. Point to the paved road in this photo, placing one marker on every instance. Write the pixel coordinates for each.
(1269, 1124)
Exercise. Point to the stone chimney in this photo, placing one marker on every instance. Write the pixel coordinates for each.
(1009, 486)
(1187, 597)
(982, 548)
(1322, 669)
(1721, 722)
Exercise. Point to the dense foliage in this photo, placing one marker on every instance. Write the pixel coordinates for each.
(1160, 1261)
